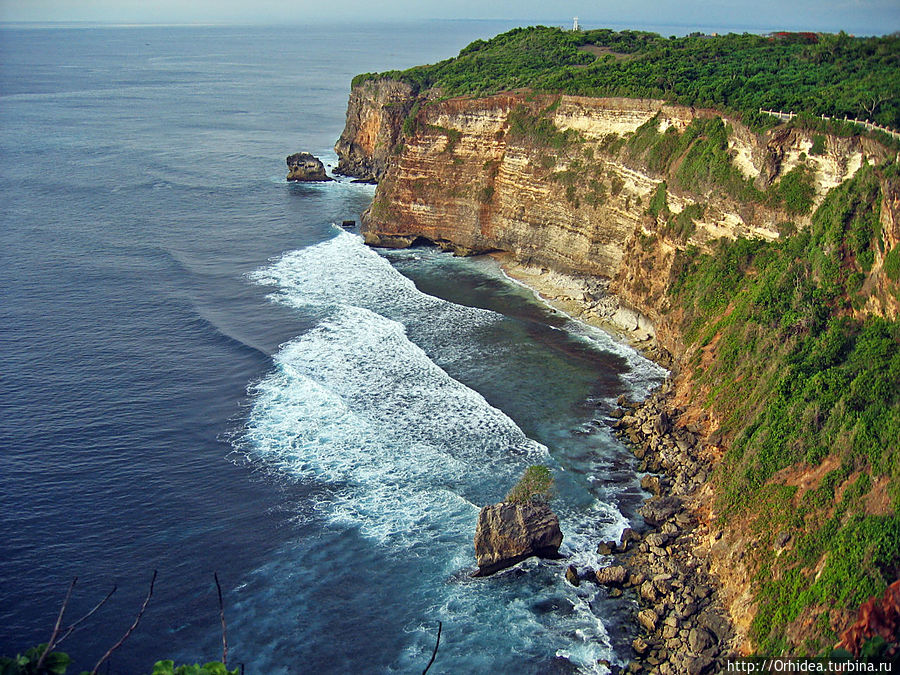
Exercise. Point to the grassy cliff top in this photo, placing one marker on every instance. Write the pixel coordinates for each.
(820, 74)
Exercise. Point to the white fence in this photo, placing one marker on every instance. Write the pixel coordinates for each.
(787, 116)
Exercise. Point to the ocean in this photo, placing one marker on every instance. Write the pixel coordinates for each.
(200, 372)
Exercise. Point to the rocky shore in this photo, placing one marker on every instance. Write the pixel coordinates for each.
(588, 299)
(681, 624)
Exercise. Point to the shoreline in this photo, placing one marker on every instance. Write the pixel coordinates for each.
(588, 299)
(682, 625)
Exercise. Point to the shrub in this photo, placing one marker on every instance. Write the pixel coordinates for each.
(818, 145)
(534, 486)
(892, 264)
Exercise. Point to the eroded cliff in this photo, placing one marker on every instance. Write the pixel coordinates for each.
(613, 203)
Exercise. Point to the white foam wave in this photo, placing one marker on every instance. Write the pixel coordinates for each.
(407, 453)
(342, 271)
(354, 403)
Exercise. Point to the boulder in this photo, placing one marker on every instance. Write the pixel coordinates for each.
(508, 533)
(648, 618)
(614, 575)
(651, 484)
(304, 167)
(699, 640)
(659, 509)
(572, 575)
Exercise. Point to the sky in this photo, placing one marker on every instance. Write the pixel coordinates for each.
(861, 17)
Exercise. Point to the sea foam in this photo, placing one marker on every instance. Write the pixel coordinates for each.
(363, 405)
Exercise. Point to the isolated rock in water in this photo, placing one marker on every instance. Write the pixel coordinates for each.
(508, 533)
(305, 167)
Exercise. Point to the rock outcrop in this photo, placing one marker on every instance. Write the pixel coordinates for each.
(509, 533)
(375, 115)
(304, 167)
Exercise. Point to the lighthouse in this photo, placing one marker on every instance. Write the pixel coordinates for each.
(575, 25)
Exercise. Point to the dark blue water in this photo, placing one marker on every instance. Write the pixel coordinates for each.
(199, 373)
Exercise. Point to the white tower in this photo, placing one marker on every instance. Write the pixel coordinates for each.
(575, 25)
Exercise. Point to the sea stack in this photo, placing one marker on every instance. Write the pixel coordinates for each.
(508, 533)
(304, 167)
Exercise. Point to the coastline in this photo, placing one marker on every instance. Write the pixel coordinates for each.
(589, 300)
(682, 625)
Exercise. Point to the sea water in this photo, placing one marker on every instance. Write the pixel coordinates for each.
(200, 373)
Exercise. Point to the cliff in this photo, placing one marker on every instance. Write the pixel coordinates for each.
(563, 183)
(764, 264)
(375, 115)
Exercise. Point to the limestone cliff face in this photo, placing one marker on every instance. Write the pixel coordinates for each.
(547, 180)
(375, 115)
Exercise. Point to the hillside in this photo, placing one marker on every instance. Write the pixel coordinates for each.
(761, 260)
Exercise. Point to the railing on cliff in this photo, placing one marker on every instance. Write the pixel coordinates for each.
(871, 126)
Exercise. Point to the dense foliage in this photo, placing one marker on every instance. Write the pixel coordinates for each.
(824, 74)
(799, 382)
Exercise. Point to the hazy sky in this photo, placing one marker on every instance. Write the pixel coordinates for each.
(854, 16)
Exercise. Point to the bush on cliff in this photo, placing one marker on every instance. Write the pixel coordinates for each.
(535, 485)
(800, 381)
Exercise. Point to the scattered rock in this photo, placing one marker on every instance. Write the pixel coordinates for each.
(699, 640)
(572, 575)
(614, 575)
(648, 592)
(648, 618)
(304, 167)
(659, 509)
(651, 484)
(699, 665)
(662, 424)
(629, 535)
(640, 646)
(508, 533)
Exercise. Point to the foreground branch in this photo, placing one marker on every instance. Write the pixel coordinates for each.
(130, 630)
(75, 625)
(222, 615)
(59, 618)
(436, 645)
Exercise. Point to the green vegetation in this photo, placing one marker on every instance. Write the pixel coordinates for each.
(818, 146)
(535, 485)
(538, 129)
(57, 663)
(659, 205)
(698, 160)
(834, 75)
(682, 225)
(892, 264)
(795, 191)
(798, 381)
